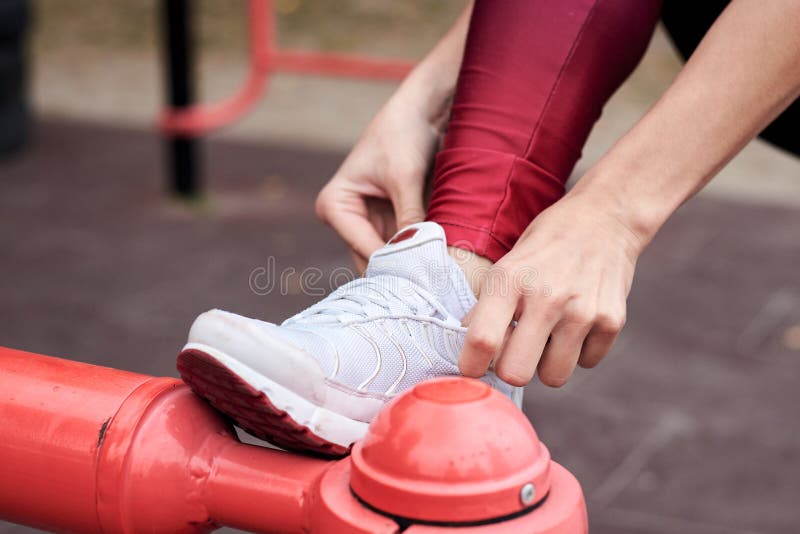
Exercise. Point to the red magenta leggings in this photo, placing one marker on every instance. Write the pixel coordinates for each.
(534, 79)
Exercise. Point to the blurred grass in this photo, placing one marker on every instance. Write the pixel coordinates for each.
(387, 27)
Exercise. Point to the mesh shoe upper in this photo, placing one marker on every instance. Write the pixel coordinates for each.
(398, 325)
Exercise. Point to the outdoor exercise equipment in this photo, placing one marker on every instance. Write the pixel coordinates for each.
(184, 121)
(90, 449)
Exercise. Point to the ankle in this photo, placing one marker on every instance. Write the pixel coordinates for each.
(473, 266)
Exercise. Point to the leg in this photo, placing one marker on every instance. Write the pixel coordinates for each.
(534, 80)
(527, 97)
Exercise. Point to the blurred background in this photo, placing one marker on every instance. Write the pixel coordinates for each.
(690, 425)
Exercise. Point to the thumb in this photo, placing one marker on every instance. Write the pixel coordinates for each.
(359, 262)
(407, 204)
(356, 231)
(348, 217)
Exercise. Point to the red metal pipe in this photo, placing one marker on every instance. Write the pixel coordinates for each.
(266, 58)
(54, 415)
(347, 65)
(90, 449)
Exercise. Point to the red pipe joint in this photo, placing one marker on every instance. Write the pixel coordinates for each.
(91, 449)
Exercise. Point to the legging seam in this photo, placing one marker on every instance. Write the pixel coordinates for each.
(535, 130)
(505, 193)
(560, 76)
(514, 160)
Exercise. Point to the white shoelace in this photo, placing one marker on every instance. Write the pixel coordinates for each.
(377, 296)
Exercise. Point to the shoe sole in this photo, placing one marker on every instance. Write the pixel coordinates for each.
(264, 408)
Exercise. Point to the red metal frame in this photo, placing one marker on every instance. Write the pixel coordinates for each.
(266, 58)
(89, 449)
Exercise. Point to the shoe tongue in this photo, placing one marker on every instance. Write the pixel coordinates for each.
(419, 253)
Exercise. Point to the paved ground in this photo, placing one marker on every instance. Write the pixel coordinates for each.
(690, 426)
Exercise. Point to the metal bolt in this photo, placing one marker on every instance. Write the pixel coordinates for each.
(527, 493)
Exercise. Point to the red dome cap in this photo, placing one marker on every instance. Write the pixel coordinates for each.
(450, 450)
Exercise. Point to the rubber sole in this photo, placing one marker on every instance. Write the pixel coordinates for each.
(266, 416)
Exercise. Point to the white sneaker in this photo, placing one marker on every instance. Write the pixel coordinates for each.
(317, 380)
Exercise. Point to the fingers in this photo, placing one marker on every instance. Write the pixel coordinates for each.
(548, 337)
(520, 356)
(359, 262)
(407, 203)
(346, 213)
(561, 355)
(607, 324)
(600, 339)
(554, 335)
(487, 329)
(380, 214)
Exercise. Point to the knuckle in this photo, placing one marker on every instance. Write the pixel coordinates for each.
(500, 273)
(495, 280)
(610, 322)
(550, 314)
(580, 316)
(557, 300)
(483, 342)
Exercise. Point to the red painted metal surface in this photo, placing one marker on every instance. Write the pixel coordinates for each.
(454, 450)
(266, 58)
(91, 449)
(563, 512)
(54, 415)
(490, 451)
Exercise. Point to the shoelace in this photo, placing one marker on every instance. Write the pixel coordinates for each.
(372, 297)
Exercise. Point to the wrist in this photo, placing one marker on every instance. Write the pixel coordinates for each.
(427, 91)
(639, 212)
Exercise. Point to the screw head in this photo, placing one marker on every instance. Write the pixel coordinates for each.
(527, 493)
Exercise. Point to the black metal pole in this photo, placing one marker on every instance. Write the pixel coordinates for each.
(179, 47)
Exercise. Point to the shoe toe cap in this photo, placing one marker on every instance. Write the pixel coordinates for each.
(259, 346)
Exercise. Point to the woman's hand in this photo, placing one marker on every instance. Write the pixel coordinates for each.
(379, 187)
(572, 268)
(565, 282)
